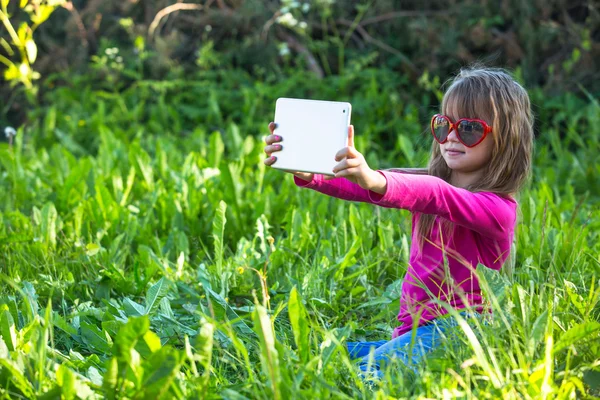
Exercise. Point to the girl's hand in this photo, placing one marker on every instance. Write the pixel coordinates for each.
(355, 168)
(273, 146)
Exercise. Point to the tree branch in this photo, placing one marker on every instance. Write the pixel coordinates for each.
(399, 14)
(365, 35)
(294, 44)
(171, 9)
(78, 22)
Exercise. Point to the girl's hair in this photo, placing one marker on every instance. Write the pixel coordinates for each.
(493, 95)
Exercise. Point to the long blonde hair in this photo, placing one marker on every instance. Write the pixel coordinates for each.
(493, 95)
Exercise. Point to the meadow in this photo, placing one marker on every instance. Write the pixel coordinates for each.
(147, 252)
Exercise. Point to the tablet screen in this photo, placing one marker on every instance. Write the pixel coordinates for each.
(312, 132)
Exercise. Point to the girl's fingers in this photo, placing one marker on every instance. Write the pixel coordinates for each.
(270, 161)
(346, 172)
(352, 152)
(272, 148)
(341, 154)
(347, 163)
(273, 139)
(346, 152)
(272, 126)
(351, 136)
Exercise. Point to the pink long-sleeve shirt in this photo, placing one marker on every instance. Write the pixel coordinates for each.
(482, 232)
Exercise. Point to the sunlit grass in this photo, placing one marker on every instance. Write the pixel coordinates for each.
(142, 259)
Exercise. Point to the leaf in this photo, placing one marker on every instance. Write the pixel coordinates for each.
(30, 306)
(216, 149)
(17, 377)
(160, 371)
(3, 349)
(299, 321)
(155, 294)
(204, 347)
(7, 328)
(235, 141)
(67, 141)
(220, 306)
(152, 341)
(91, 249)
(213, 105)
(592, 379)
(22, 32)
(329, 346)
(60, 323)
(130, 181)
(66, 380)
(109, 381)
(497, 283)
(218, 229)
(95, 338)
(577, 334)
(154, 261)
(11, 73)
(348, 258)
(144, 162)
(133, 309)
(43, 12)
(128, 336)
(94, 376)
(268, 353)
(48, 228)
(406, 146)
(378, 301)
(537, 331)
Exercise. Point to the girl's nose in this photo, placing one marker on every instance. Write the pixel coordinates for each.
(452, 136)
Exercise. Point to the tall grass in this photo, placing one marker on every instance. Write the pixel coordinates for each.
(146, 252)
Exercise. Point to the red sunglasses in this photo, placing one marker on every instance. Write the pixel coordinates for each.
(469, 132)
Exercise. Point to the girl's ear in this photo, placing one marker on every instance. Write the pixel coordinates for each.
(351, 136)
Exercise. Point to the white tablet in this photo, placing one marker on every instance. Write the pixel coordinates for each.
(312, 132)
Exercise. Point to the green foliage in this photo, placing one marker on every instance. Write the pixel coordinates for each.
(551, 44)
(21, 40)
(147, 252)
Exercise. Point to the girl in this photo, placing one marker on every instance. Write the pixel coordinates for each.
(463, 205)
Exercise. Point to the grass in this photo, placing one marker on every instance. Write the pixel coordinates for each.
(146, 252)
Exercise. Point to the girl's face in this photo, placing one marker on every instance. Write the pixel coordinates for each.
(463, 159)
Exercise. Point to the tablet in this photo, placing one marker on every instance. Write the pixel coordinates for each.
(312, 132)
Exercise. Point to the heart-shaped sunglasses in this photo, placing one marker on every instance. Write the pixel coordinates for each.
(469, 132)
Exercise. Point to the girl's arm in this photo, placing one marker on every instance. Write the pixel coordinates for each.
(340, 188)
(486, 213)
(344, 189)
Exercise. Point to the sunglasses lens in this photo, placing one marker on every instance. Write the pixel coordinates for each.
(470, 132)
(440, 127)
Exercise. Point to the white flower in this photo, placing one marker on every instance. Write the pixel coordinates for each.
(284, 50)
(288, 20)
(9, 132)
(111, 51)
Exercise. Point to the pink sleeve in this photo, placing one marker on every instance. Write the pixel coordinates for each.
(484, 212)
(340, 188)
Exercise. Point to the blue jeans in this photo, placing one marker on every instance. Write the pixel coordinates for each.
(427, 338)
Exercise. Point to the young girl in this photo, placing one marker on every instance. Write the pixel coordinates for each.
(463, 206)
